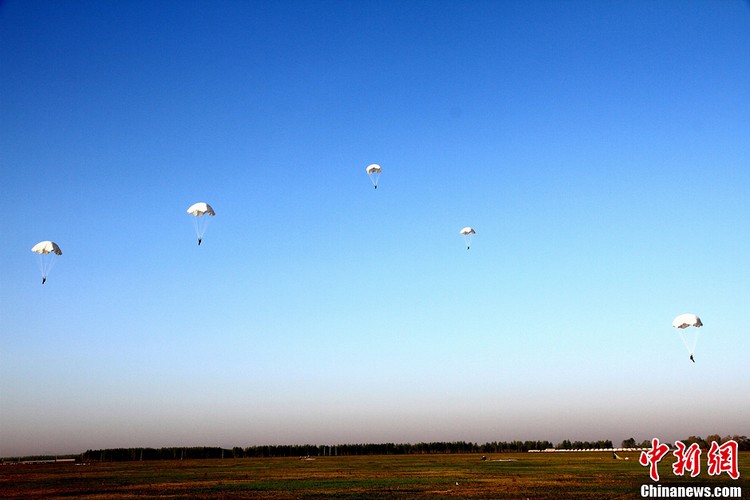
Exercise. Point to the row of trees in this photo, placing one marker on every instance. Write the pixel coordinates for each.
(631, 443)
(178, 453)
(186, 453)
(584, 445)
(437, 447)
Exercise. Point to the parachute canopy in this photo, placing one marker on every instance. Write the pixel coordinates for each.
(685, 320)
(374, 170)
(46, 247)
(199, 209)
(467, 230)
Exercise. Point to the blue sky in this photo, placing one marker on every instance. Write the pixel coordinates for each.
(599, 149)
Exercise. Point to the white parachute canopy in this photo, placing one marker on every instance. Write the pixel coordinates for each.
(685, 320)
(48, 252)
(468, 234)
(689, 335)
(374, 170)
(199, 211)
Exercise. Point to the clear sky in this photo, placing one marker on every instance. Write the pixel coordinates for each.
(601, 150)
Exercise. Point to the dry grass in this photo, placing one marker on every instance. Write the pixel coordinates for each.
(531, 475)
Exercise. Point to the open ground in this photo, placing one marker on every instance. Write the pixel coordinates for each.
(508, 475)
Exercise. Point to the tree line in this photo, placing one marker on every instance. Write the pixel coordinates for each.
(437, 447)
(191, 453)
(566, 444)
(309, 450)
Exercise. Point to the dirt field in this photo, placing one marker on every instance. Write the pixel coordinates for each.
(517, 476)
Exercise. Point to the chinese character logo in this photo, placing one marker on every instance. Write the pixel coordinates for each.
(720, 458)
(687, 459)
(652, 457)
(723, 458)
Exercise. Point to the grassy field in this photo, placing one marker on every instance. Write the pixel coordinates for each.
(518, 475)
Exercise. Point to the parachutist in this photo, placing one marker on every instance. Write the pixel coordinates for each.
(684, 321)
(46, 251)
(201, 209)
(467, 233)
(373, 171)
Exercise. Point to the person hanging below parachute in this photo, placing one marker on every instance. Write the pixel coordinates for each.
(200, 210)
(47, 250)
(374, 171)
(468, 234)
(682, 322)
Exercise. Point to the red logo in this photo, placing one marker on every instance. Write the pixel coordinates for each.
(653, 456)
(721, 458)
(687, 459)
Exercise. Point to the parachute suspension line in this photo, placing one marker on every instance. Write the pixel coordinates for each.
(51, 262)
(200, 226)
(205, 218)
(684, 341)
(689, 337)
(40, 265)
(46, 262)
(695, 341)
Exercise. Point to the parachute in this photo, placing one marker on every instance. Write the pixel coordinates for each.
(47, 250)
(374, 171)
(468, 234)
(200, 210)
(689, 336)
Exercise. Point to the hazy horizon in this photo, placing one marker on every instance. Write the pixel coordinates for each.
(601, 151)
(326, 448)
